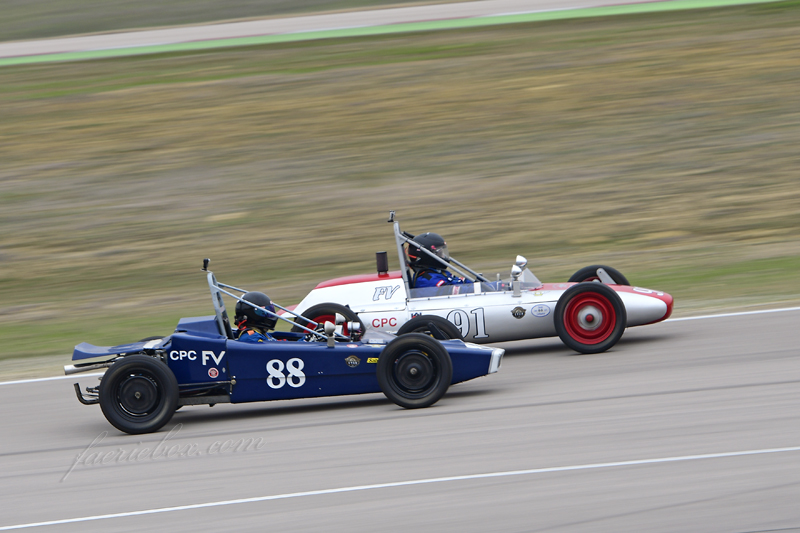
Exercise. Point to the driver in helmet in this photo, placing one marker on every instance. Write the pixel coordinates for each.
(428, 272)
(253, 324)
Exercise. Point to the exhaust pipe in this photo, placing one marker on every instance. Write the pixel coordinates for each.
(75, 369)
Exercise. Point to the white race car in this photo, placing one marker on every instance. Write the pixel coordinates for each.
(589, 312)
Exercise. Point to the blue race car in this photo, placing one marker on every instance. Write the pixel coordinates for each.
(201, 363)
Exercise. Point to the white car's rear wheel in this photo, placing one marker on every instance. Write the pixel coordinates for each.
(589, 273)
(326, 312)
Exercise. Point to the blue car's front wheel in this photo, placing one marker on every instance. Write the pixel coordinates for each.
(414, 371)
(138, 394)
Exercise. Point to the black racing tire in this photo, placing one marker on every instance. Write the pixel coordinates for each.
(590, 317)
(321, 313)
(414, 371)
(422, 324)
(589, 273)
(138, 394)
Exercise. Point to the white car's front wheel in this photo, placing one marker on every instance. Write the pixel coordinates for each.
(590, 317)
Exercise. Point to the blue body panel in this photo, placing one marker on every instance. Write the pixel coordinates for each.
(199, 325)
(198, 359)
(301, 370)
(198, 355)
(87, 351)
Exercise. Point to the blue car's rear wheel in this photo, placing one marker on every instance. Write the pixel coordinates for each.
(138, 394)
(414, 371)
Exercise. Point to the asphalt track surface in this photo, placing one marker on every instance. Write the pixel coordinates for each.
(331, 25)
(687, 425)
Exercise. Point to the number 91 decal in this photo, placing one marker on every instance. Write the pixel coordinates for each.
(460, 319)
(294, 376)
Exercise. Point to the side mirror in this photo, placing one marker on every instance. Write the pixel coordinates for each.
(521, 261)
(516, 272)
(329, 328)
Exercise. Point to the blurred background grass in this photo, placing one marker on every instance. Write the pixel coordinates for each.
(664, 145)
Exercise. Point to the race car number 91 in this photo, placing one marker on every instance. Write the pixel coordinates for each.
(460, 319)
(294, 376)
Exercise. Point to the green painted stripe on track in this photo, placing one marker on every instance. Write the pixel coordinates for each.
(448, 24)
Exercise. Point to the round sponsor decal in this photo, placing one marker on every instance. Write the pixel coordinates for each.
(518, 312)
(540, 310)
(352, 361)
(213, 372)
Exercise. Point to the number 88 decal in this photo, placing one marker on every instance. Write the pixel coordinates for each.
(278, 379)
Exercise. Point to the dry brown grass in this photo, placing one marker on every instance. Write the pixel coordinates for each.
(664, 145)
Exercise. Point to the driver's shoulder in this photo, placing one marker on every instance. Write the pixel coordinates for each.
(253, 335)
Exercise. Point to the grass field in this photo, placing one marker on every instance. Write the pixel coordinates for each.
(26, 19)
(664, 145)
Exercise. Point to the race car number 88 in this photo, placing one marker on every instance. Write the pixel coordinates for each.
(278, 379)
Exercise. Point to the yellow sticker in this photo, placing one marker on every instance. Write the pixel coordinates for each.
(372, 360)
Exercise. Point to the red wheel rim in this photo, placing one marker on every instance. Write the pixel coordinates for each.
(321, 319)
(589, 318)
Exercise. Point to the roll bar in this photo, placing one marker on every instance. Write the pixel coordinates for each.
(402, 237)
(218, 289)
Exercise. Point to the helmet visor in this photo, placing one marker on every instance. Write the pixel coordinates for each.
(441, 251)
(261, 312)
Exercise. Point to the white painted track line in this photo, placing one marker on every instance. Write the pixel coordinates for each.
(376, 486)
(742, 313)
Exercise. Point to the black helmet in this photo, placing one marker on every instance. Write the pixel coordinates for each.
(434, 243)
(247, 315)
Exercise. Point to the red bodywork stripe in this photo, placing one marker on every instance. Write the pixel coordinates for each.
(281, 312)
(360, 278)
(666, 298)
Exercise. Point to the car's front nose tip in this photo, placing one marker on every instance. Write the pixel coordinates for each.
(497, 360)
